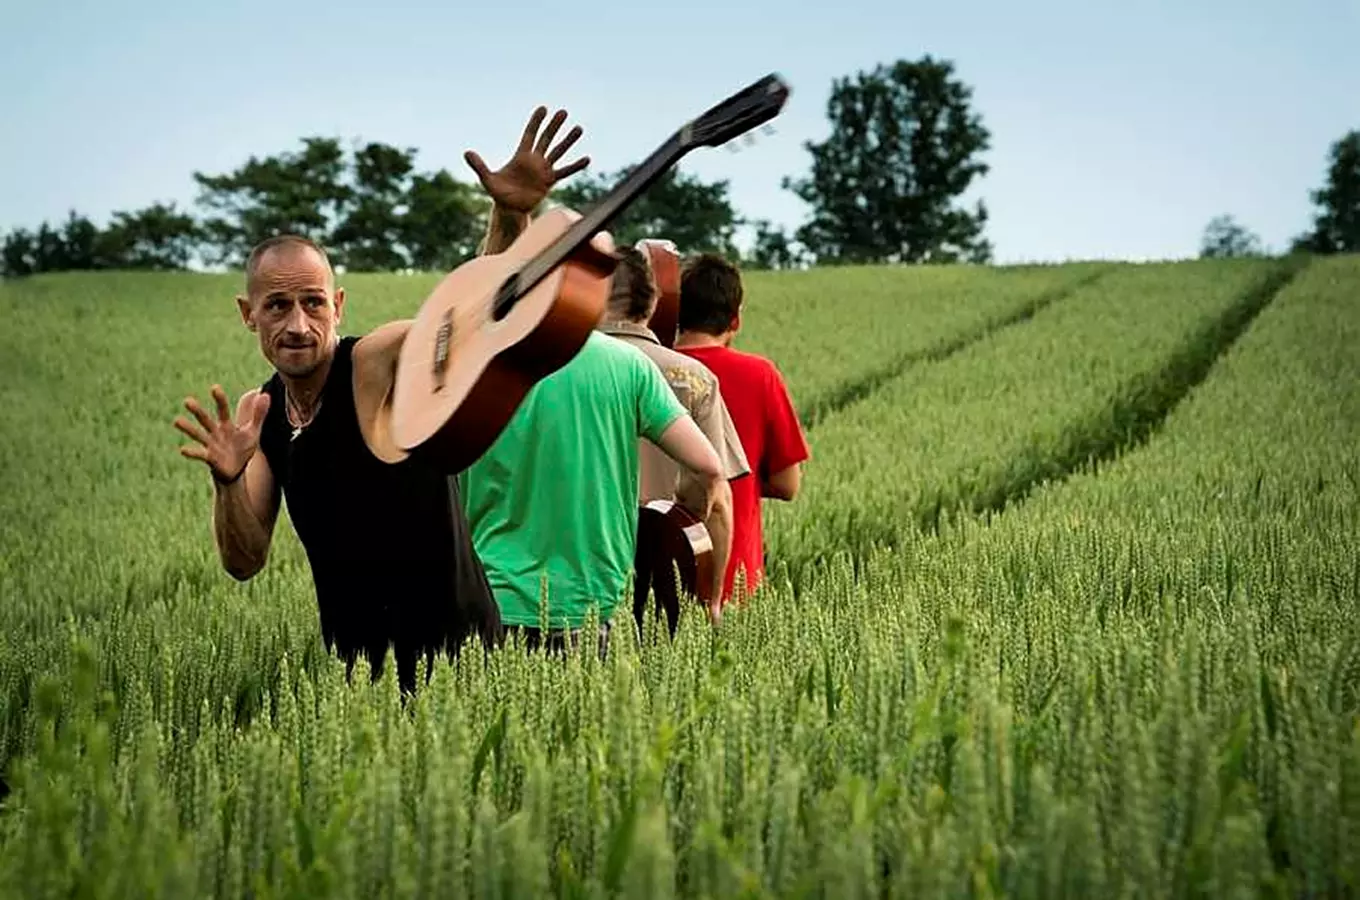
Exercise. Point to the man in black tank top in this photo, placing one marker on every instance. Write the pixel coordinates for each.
(387, 539)
(388, 543)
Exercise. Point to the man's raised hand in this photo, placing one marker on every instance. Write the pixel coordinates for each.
(226, 446)
(523, 182)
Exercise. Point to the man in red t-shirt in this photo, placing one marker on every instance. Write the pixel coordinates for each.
(771, 436)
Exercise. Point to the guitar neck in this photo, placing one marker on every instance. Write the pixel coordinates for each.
(592, 222)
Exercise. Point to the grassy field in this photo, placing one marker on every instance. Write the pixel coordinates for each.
(1067, 608)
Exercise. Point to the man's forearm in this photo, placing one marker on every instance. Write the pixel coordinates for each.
(715, 494)
(242, 541)
(719, 525)
(502, 227)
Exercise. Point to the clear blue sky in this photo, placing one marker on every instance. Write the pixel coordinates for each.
(1118, 130)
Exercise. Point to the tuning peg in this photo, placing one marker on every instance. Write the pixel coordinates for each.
(732, 147)
(767, 129)
(748, 138)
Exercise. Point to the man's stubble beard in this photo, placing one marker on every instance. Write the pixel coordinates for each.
(323, 352)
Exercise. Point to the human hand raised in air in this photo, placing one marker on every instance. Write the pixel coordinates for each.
(226, 446)
(525, 180)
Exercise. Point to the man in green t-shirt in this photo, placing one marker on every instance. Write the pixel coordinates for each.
(553, 504)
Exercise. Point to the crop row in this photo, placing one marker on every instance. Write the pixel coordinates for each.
(836, 334)
(1031, 402)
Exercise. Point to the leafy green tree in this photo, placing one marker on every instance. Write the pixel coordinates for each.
(1336, 224)
(157, 237)
(81, 245)
(49, 251)
(904, 146)
(161, 236)
(302, 192)
(444, 221)
(774, 248)
(19, 254)
(368, 235)
(1224, 237)
(697, 216)
(372, 210)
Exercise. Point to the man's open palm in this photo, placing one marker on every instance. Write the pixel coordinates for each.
(523, 182)
(225, 445)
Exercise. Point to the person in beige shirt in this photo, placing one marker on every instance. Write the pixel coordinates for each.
(632, 300)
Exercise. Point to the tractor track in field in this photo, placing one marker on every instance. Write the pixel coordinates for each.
(1141, 408)
(1131, 420)
(862, 387)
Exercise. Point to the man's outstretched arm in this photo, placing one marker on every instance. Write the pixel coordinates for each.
(244, 513)
(502, 227)
(518, 187)
(246, 499)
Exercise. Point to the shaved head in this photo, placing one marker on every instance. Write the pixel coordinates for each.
(285, 245)
(292, 303)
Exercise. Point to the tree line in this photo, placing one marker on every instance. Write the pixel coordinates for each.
(883, 187)
(1336, 220)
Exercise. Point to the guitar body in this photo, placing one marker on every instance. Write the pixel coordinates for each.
(451, 418)
(665, 262)
(671, 538)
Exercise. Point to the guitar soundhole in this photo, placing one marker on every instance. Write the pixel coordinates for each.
(506, 298)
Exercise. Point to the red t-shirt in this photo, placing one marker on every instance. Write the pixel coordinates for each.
(771, 437)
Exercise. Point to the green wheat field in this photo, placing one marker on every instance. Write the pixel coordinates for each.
(1068, 607)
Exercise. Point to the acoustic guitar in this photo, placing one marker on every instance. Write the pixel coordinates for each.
(671, 541)
(496, 325)
(665, 263)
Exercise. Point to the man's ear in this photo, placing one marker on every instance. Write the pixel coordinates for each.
(339, 304)
(243, 304)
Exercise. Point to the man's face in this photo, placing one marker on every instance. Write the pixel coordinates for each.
(293, 306)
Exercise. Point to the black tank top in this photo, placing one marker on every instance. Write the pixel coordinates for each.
(389, 546)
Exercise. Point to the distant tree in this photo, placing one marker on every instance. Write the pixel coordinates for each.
(697, 216)
(19, 253)
(302, 192)
(49, 251)
(157, 237)
(1224, 237)
(76, 244)
(81, 245)
(368, 233)
(443, 221)
(774, 248)
(1336, 225)
(903, 147)
(372, 210)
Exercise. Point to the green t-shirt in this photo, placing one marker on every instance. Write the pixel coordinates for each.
(556, 495)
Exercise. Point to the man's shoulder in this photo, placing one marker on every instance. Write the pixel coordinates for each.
(742, 363)
(598, 351)
(754, 360)
(686, 374)
(619, 352)
(603, 361)
(607, 347)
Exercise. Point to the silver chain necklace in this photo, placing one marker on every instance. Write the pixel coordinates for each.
(295, 415)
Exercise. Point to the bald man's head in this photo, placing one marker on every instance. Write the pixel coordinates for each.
(288, 248)
(292, 303)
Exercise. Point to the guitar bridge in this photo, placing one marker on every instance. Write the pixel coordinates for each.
(443, 337)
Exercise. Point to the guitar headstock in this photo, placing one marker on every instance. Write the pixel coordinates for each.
(748, 108)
